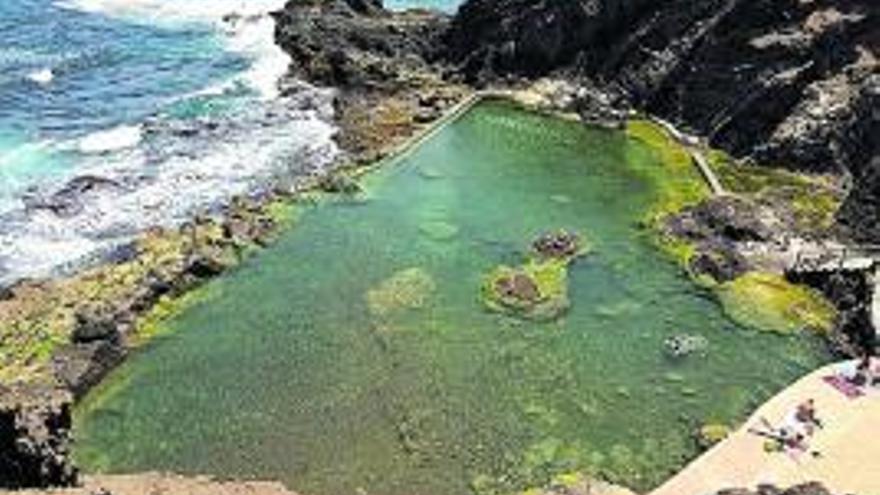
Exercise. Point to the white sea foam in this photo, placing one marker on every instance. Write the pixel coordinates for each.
(161, 172)
(42, 76)
(170, 11)
(117, 138)
(247, 27)
(166, 179)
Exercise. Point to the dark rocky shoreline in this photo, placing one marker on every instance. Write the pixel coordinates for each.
(787, 82)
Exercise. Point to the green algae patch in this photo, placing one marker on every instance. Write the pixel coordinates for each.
(40, 316)
(154, 322)
(407, 289)
(767, 301)
(677, 182)
(538, 289)
(812, 200)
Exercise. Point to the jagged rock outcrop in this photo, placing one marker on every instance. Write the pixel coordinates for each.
(96, 346)
(35, 438)
(356, 43)
(491, 38)
(860, 213)
(851, 293)
(383, 64)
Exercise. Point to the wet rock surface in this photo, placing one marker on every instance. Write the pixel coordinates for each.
(35, 438)
(383, 64)
(811, 488)
(851, 293)
(715, 227)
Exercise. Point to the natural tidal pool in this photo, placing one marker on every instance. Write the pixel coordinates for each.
(355, 355)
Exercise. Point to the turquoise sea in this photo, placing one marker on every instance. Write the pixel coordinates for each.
(116, 115)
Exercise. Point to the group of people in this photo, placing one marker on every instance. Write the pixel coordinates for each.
(793, 435)
(865, 373)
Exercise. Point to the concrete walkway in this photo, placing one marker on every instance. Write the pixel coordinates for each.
(692, 145)
(849, 444)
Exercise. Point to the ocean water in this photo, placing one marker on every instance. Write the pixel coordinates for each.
(441, 5)
(116, 115)
(355, 355)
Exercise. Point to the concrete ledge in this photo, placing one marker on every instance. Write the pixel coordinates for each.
(848, 443)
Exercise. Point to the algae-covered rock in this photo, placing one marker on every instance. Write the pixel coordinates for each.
(560, 244)
(711, 433)
(339, 184)
(406, 289)
(537, 290)
(769, 302)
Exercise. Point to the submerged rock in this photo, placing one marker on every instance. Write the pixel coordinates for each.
(438, 230)
(406, 289)
(710, 434)
(580, 484)
(561, 244)
(430, 173)
(682, 345)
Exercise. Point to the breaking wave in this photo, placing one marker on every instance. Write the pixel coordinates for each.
(237, 136)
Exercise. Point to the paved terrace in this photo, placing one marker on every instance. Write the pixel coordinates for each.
(849, 445)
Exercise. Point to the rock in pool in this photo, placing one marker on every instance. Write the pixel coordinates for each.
(438, 230)
(538, 289)
(681, 345)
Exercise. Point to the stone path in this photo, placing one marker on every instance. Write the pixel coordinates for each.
(849, 447)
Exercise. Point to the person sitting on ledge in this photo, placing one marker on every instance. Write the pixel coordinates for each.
(805, 416)
(865, 373)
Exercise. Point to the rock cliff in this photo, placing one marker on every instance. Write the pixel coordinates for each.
(790, 83)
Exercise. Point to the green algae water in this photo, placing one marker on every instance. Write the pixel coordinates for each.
(355, 356)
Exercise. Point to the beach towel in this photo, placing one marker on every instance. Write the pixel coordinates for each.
(843, 386)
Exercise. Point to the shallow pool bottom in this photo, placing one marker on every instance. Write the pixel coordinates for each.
(355, 355)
